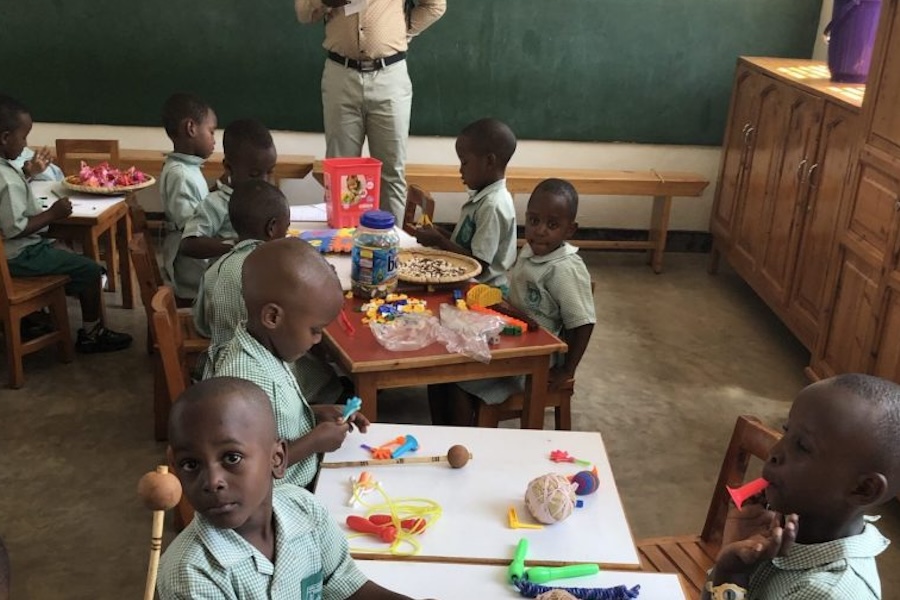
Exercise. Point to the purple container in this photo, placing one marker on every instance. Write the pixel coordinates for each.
(851, 35)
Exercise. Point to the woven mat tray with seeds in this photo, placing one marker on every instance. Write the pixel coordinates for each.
(435, 266)
(72, 182)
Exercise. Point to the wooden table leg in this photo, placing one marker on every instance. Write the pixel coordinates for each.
(112, 260)
(535, 400)
(659, 228)
(123, 232)
(367, 390)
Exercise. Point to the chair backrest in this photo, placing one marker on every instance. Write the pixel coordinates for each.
(143, 257)
(750, 439)
(5, 278)
(70, 153)
(169, 341)
(416, 197)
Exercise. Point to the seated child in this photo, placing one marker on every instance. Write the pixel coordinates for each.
(22, 219)
(248, 539)
(837, 460)
(249, 154)
(38, 166)
(259, 212)
(291, 294)
(552, 285)
(486, 229)
(191, 125)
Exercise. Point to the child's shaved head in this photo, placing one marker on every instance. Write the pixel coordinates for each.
(216, 392)
(253, 207)
(491, 136)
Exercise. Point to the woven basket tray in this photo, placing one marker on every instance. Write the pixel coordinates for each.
(71, 182)
(471, 267)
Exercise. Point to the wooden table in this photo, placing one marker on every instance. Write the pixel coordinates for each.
(476, 498)
(289, 166)
(373, 367)
(465, 582)
(92, 218)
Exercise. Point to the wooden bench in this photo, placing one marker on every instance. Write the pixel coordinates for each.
(662, 186)
(289, 166)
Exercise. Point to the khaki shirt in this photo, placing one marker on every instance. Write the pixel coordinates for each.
(379, 30)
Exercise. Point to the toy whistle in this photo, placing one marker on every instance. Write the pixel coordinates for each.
(353, 405)
(741, 494)
(410, 444)
(387, 533)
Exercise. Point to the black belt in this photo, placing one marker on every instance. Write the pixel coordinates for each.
(366, 66)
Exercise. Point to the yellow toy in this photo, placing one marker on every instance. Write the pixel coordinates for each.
(483, 295)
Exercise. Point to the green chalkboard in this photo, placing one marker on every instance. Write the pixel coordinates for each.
(655, 71)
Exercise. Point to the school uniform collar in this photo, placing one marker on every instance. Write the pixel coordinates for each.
(487, 190)
(188, 159)
(802, 557)
(12, 165)
(252, 346)
(563, 251)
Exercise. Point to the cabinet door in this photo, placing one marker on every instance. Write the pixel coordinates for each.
(887, 347)
(848, 340)
(786, 197)
(827, 177)
(872, 203)
(734, 154)
(766, 136)
(884, 83)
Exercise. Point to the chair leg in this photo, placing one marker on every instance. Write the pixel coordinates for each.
(14, 351)
(150, 349)
(563, 413)
(60, 316)
(486, 416)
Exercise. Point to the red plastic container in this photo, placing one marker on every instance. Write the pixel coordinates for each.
(352, 187)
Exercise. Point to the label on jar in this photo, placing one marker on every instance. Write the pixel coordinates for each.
(373, 267)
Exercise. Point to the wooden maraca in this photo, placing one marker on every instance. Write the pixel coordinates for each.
(457, 457)
(160, 491)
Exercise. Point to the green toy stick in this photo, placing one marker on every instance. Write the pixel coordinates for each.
(516, 568)
(545, 574)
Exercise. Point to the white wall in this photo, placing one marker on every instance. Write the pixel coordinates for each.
(820, 49)
(690, 214)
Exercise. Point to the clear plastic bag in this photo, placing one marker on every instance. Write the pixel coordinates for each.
(409, 331)
(468, 333)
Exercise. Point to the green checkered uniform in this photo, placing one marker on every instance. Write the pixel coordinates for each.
(487, 229)
(246, 358)
(842, 569)
(311, 558)
(555, 291)
(210, 219)
(219, 306)
(181, 188)
(33, 255)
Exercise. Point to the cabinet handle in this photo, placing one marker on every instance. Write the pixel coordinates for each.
(748, 133)
(813, 183)
(800, 170)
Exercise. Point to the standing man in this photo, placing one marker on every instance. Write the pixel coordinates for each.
(366, 89)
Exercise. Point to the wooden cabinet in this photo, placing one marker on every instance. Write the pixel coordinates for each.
(883, 102)
(787, 151)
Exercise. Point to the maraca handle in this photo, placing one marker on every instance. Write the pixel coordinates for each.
(387, 533)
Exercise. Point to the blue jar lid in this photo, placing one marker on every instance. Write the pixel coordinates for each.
(377, 219)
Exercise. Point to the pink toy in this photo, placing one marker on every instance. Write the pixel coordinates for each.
(741, 494)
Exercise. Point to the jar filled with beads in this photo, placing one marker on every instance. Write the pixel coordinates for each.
(373, 272)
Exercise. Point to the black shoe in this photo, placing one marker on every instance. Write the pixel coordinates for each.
(101, 339)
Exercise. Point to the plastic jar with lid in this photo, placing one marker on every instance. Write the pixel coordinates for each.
(373, 272)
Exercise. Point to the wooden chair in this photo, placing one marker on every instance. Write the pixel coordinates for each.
(173, 360)
(691, 556)
(70, 153)
(20, 296)
(193, 344)
(490, 415)
(416, 197)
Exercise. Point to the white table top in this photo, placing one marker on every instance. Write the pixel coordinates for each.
(83, 205)
(302, 220)
(475, 499)
(466, 582)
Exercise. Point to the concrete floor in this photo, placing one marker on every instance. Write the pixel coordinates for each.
(675, 358)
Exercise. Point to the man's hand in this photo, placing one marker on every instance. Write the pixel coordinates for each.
(61, 209)
(739, 558)
(38, 163)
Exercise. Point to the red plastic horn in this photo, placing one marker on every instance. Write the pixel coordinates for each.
(387, 533)
(740, 495)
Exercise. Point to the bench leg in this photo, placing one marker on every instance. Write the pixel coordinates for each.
(659, 228)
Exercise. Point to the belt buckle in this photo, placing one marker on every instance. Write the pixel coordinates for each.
(367, 66)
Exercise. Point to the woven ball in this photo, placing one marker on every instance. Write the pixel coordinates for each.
(550, 498)
(585, 483)
(556, 594)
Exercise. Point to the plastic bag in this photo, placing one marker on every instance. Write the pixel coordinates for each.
(468, 333)
(409, 331)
